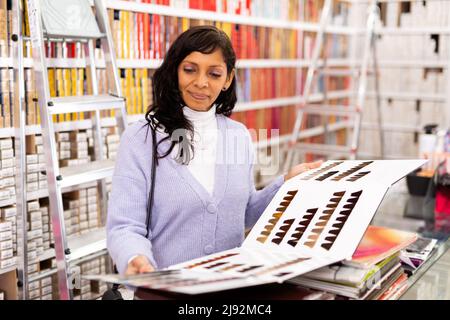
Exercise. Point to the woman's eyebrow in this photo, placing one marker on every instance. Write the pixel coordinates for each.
(212, 66)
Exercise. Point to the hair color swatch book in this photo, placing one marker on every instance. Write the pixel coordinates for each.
(315, 219)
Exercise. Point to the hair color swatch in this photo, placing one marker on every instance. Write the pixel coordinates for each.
(218, 264)
(283, 231)
(326, 175)
(322, 170)
(358, 175)
(324, 218)
(276, 216)
(303, 225)
(351, 170)
(250, 268)
(211, 260)
(341, 219)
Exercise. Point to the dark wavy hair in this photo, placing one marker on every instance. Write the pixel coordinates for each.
(167, 101)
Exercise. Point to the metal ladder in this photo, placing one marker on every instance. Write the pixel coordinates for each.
(74, 21)
(355, 111)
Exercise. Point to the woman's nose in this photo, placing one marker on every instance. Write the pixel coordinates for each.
(201, 81)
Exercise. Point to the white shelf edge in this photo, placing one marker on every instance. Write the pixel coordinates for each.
(391, 127)
(307, 133)
(413, 31)
(222, 17)
(370, 155)
(9, 269)
(155, 63)
(8, 202)
(408, 96)
(107, 122)
(240, 64)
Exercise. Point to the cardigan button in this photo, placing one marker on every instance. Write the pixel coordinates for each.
(212, 208)
(209, 249)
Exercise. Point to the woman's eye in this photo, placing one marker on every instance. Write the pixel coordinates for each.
(188, 70)
(216, 75)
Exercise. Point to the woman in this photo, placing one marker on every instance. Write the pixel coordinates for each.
(204, 198)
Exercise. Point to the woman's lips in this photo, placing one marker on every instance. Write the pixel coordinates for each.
(198, 96)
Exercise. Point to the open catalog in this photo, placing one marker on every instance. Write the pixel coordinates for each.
(315, 219)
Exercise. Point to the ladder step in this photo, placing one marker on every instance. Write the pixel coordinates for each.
(340, 110)
(87, 172)
(86, 244)
(71, 104)
(324, 149)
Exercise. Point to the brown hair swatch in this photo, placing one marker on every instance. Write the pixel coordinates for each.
(358, 175)
(284, 204)
(341, 219)
(324, 218)
(320, 171)
(283, 231)
(303, 224)
(351, 170)
(210, 260)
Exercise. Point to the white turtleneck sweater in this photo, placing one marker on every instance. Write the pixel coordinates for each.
(203, 165)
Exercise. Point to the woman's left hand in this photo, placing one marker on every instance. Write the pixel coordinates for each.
(300, 168)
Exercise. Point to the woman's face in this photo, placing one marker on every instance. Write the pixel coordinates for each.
(201, 78)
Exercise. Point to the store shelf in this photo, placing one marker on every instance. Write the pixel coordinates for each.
(371, 156)
(85, 173)
(43, 193)
(307, 133)
(155, 63)
(7, 202)
(408, 96)
(86, 244)
(41, 275)
(222, 17)
(47, 254)
(391, 127)
(3, 271)
(412, 31)
(267, 103)
(425, 63)
(109, 122)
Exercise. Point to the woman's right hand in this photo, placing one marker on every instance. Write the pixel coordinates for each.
(139, 264)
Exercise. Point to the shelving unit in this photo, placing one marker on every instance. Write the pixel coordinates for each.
(421, 70)
(299, 63)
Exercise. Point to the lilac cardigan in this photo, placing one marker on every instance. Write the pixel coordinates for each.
(187, 222)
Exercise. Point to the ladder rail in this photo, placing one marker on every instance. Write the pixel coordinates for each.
(353, 132)
(97, 170)
(325, 15)
(369, 39)
(377, 95)
(20, 150)
(51, 159)
(110, 61)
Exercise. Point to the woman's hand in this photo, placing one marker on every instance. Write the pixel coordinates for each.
(139, 264)
(300, 168)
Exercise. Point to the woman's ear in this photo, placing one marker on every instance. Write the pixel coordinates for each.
(229, 80)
